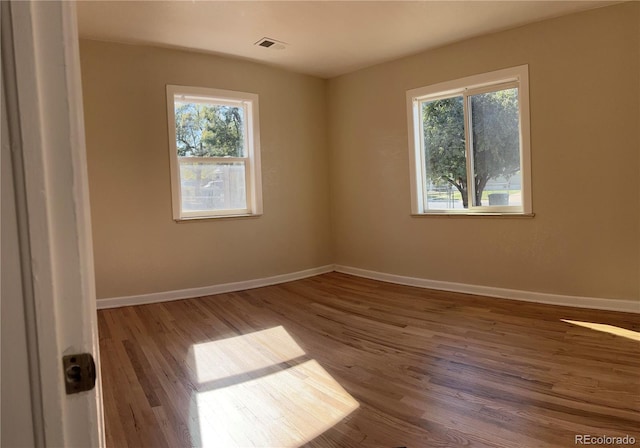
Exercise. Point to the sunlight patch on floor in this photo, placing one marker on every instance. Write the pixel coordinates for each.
(611, 329)
(242, 354)
(245, 398)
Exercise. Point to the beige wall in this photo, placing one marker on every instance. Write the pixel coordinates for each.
(138, 247)
(584, 93)
(584, 239)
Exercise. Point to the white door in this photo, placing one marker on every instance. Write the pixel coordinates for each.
(52, 285)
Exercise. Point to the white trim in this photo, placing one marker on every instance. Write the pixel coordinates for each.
(191, 293)
(211, 96)
(416, 162)
(56, 225)
(628, 306)
(15, 164)
(525, 142)
(514, 77)
(212, 160)
(251, 123)
(173, 156)
(469, 83)
(468, 154)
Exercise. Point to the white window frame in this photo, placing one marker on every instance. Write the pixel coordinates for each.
(253, 188)
(471, 85)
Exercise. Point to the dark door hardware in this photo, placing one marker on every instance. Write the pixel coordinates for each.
(79, 372)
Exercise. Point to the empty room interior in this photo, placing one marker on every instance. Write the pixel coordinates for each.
(365, 224)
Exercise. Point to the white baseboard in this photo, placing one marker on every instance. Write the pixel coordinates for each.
(629, 306)
(116, 302)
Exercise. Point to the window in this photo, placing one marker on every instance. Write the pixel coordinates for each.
(215, 153)
(469, 145)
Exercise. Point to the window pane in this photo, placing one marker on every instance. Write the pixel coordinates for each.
(209, 130)
(444, 154)
(496, 148)
(207, 186)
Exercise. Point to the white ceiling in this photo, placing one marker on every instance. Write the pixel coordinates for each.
(326, 38)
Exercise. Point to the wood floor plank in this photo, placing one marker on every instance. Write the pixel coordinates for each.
(342, 361)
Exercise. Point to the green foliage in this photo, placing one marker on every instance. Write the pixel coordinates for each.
(443, 122)
(495, 140)
(208, 130)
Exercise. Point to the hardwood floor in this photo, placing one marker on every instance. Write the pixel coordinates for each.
(341, 361)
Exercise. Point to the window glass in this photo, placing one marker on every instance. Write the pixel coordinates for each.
(212, 186)
(496, 148)
(469, 145)
(209, 130)
(444, 153)
(215, 152)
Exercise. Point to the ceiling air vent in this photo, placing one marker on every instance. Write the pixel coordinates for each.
(272, 44)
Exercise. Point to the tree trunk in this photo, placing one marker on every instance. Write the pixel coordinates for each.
(462, 188)
(481, 183)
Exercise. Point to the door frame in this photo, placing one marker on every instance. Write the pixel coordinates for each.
(41, 61)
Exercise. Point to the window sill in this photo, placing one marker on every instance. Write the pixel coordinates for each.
(467, 215)
(206, 218)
